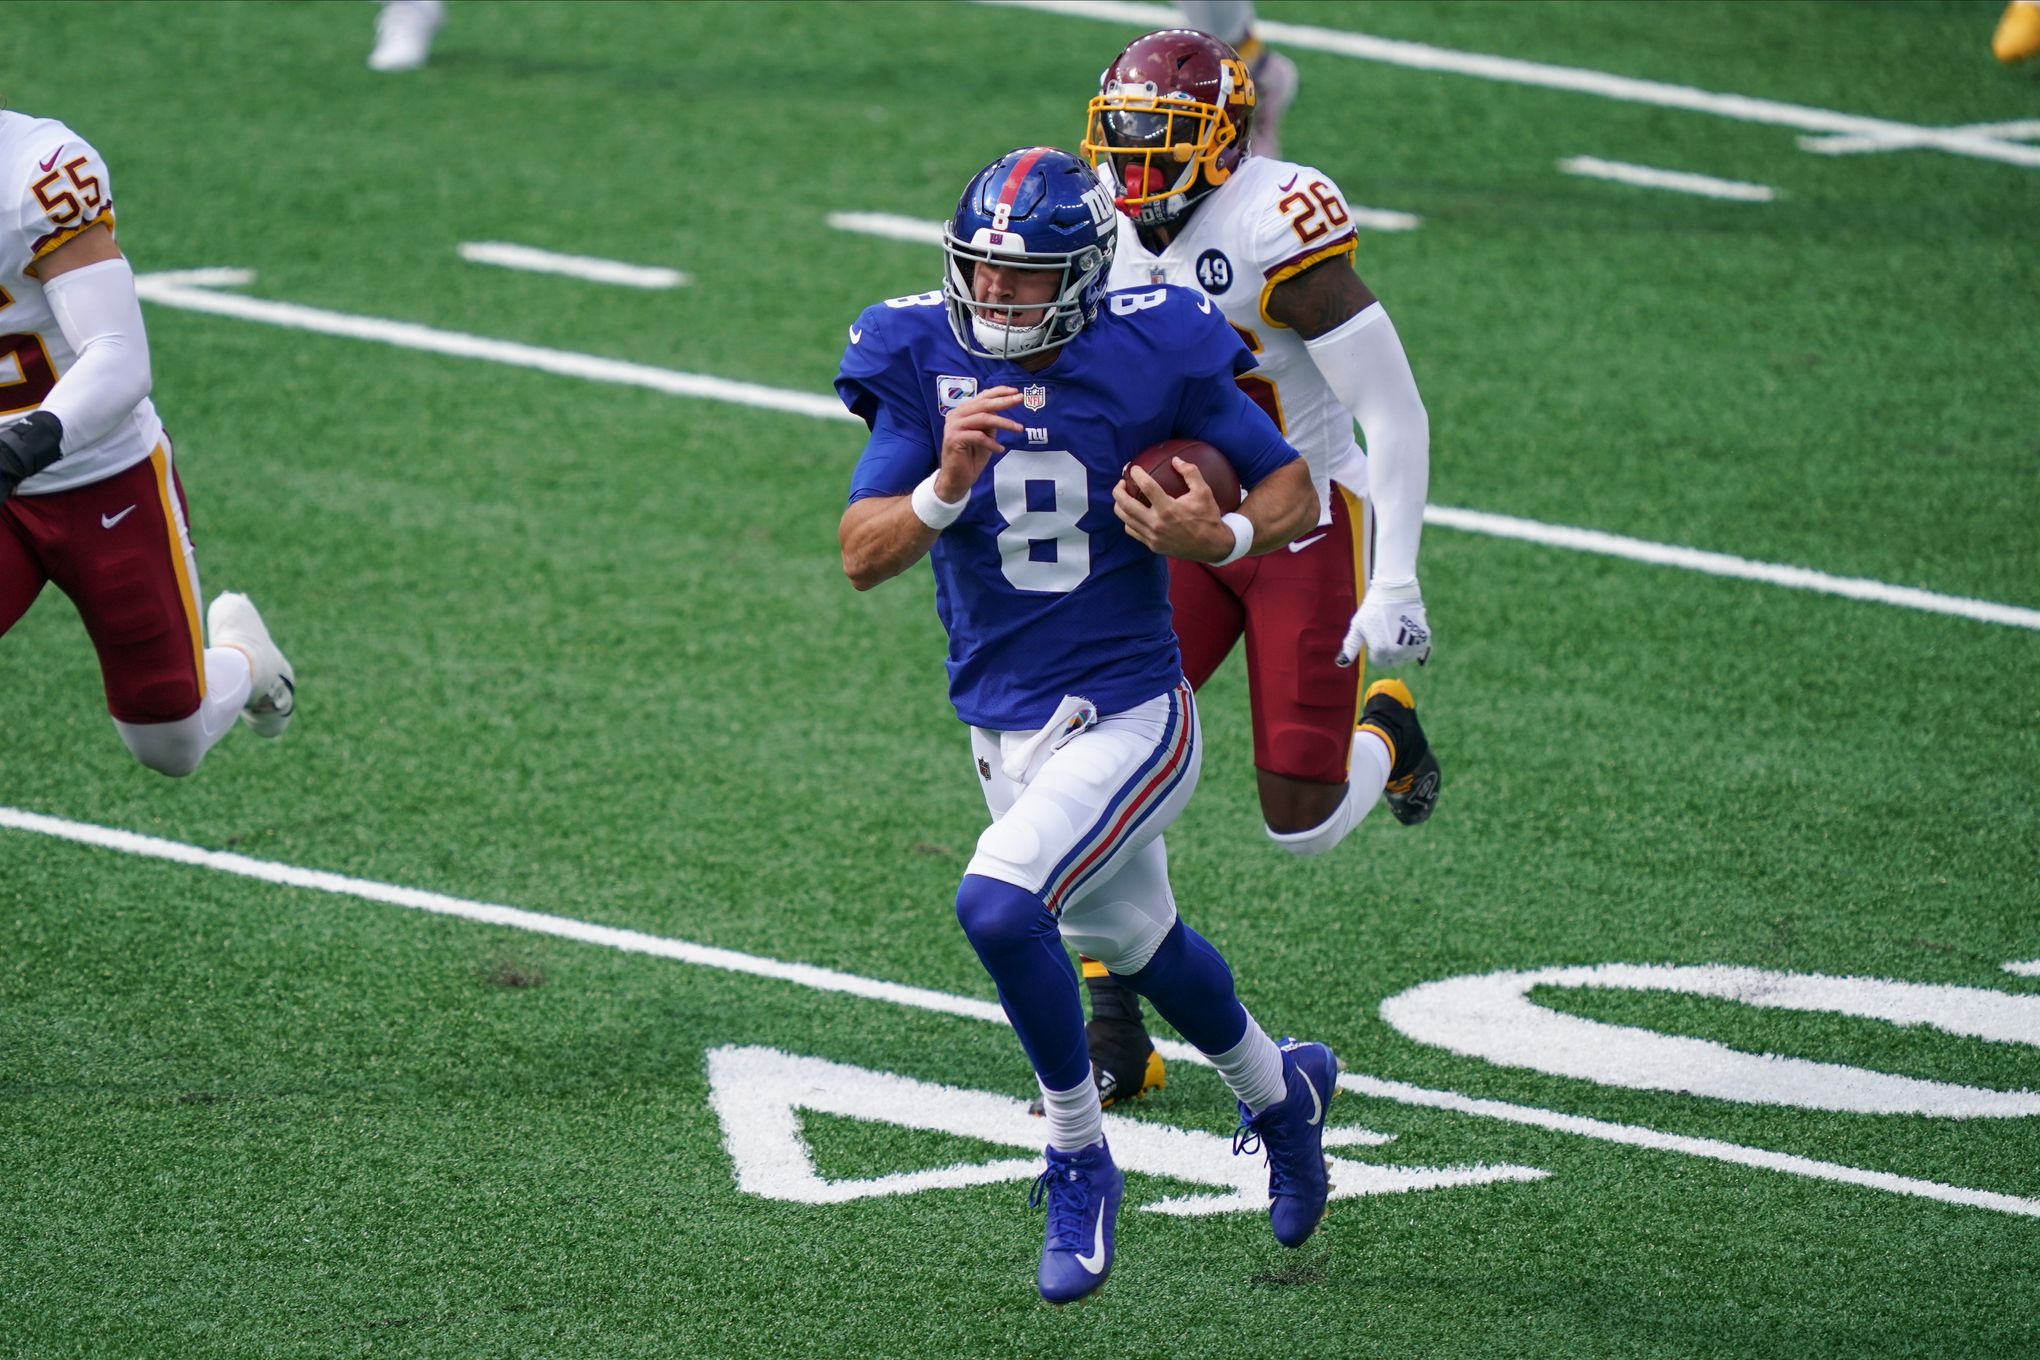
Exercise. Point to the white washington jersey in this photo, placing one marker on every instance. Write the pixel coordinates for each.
(1268, 223)
(53, 185)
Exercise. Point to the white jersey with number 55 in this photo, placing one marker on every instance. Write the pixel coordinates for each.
(1268, 223)
(53, 185)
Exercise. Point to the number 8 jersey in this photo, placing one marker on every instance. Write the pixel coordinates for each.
(53, 186)
(1041, 589)
(1266, 224)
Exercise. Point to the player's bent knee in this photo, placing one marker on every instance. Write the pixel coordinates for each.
(172, 748)
(997, 916)
(1318, 839)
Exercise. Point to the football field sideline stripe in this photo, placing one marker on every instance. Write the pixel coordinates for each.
(192, 290)
(1576, 79)
(920, 998)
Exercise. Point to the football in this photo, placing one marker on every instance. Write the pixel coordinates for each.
(1218, 474)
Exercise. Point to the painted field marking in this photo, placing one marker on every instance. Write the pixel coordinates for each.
(758, 1094)
(918, 998)
(1724, 564)
(191, 290)
(1678, 181)
(921, 232)
(2030, 968)
(573, 266)
(2019, 129)
(1509, 70)
(892, 226)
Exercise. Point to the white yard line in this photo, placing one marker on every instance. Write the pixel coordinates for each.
(1423, 57)
(894, 227)
(1678, 181)
(918, 998)
(573, 266)
(2020, 129)
(1723, 564)
(889, 225)
(191, 290)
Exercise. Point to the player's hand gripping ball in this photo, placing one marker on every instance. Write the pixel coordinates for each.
(1158, 463)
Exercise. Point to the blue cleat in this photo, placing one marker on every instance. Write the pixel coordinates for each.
(1083, 1190)
(1293, 1132)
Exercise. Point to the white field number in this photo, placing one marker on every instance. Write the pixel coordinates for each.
(1491, 1016)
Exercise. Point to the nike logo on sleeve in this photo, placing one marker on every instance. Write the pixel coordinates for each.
(52, 161)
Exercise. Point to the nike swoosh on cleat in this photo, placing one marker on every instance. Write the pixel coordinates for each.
(1292, 180)
(108, 521)
(1303, 543)
(1317, 1107)
(51, 162)
(1095, 1262)
(856, 336)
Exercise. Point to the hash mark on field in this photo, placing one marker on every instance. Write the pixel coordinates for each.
(2030, 968)
(921, 998)
(1678, 181)
(573, 266)
(191, 290)
(1577, 80)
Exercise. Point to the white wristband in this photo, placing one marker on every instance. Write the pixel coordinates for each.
(1242, 537)
(933, 511)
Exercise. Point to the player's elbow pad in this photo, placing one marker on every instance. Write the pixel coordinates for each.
(101, 318)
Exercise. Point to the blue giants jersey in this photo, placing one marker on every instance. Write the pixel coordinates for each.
(1042, 590)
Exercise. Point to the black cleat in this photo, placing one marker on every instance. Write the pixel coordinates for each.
(1123, 1063)
(1412, 788)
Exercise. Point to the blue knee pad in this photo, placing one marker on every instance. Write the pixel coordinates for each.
(1191, 987)
(1016, 939)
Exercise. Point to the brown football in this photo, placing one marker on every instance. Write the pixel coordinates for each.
(1217, 472)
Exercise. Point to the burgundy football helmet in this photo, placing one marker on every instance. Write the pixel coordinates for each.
(1170, 123)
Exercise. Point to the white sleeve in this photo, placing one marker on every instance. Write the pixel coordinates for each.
(101, 318)
(1363, 362)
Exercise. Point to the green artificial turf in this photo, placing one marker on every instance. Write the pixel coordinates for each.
(586, 650)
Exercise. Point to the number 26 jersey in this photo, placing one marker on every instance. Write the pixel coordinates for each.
(1268, 223)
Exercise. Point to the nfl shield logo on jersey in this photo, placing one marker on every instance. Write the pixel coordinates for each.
(1034, 396)
(952, 391)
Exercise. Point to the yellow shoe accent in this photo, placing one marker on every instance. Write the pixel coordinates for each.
(1395, 689)
(2018, 32)
(1154, 1079)
(1398, 691)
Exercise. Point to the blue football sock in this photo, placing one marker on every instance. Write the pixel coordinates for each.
(1187, 981)
(1017, 941)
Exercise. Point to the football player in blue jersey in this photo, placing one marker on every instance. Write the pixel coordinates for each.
(1002, 409)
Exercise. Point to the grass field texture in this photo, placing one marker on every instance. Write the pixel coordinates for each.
(586, 650)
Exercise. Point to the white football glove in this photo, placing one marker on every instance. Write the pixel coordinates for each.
(1390, 624)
